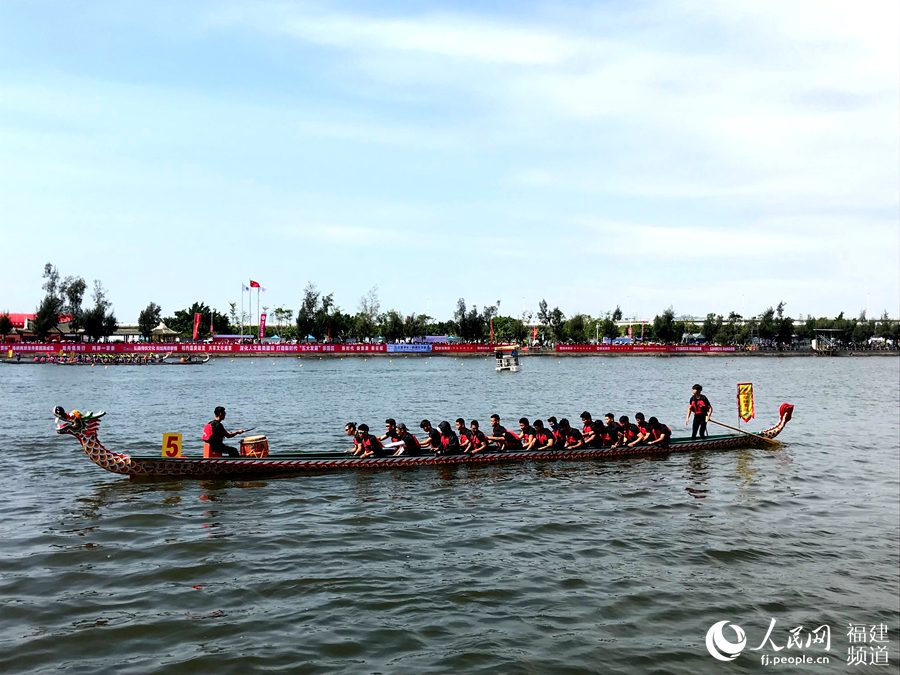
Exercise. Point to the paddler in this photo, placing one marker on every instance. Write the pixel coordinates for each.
(610, 430)
(350, 430)
(700, 407)
(479, 441)
(391, 437)
(543, 438)
(449, 441)
(572, 438)
(504, 440)
(464, 435)
(433, 441)
(628, 432)
(643, 430)
(526, 433)
(660, 434)
(411, 445)
(371, 446)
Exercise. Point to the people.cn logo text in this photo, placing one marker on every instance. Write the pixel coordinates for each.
(722, 648)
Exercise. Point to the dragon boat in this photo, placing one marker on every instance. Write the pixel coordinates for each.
(84, 427)
(109, 360)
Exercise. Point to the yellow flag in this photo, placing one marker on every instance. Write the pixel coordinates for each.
(746, 410)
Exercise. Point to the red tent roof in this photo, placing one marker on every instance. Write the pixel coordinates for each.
(18, 320)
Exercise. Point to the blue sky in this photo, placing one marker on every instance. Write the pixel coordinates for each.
(709, 156)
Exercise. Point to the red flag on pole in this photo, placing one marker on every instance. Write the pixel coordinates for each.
(254, 284)
(492, 329)
(196, 324)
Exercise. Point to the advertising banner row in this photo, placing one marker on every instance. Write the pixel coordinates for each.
(228, 348)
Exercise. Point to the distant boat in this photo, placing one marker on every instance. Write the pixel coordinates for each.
(507, 359)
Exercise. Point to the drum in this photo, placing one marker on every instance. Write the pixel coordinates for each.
(255, 446)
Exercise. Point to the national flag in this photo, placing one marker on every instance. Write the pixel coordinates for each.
(254, 284)
(243, 287)
(746, 410)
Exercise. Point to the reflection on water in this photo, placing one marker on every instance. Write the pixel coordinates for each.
(617, 566)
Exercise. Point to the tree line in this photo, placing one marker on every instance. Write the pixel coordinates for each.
(319, 318)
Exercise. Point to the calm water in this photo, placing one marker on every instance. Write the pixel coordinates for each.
(619, 566)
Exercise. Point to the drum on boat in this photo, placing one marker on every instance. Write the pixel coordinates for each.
(255, 446)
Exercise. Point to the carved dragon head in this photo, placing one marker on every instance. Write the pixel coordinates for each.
(77, 423)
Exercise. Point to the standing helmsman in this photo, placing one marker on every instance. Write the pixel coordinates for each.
(700, 407)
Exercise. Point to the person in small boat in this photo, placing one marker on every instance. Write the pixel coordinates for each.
(628, 432)
(526, 433)
(478, 441)
(700, 407)
(411, 445)
(371, 446)
(660, 434)
(643, 430)
(572, 438)
(543, 438)
(433, 440)
(464, 435)
(501, 437)
(218, 433)
(449, 442)
(350, 430)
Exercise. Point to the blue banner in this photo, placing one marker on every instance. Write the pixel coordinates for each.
(418, 348)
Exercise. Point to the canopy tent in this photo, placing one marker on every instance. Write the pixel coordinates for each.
(162, 330)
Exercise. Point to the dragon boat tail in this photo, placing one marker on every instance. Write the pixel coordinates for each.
(84, 427)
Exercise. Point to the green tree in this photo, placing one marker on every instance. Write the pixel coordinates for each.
(617, 314)
(509, 329)
(557, 324)
(322, 320)
(608, 328)
(711, 326)
(6, 324)
(46, 317)
(579, 328)
(306, 315)
(183, 321)
(767, 328)
(149, 319)
(394, 327)
(543, 314)
(416, 325)
(664, 327)
(99, 321)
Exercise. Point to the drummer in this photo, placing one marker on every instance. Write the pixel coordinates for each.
(219, 433)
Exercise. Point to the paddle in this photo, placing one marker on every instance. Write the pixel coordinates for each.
(728, 426)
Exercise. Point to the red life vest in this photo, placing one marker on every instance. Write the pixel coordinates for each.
(699, 405)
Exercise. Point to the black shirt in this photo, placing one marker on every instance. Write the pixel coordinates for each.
(217, 437)
(509, 442)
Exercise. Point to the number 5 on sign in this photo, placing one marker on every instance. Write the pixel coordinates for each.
(171, 446)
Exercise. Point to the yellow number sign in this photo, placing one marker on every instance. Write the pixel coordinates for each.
(171, 445)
